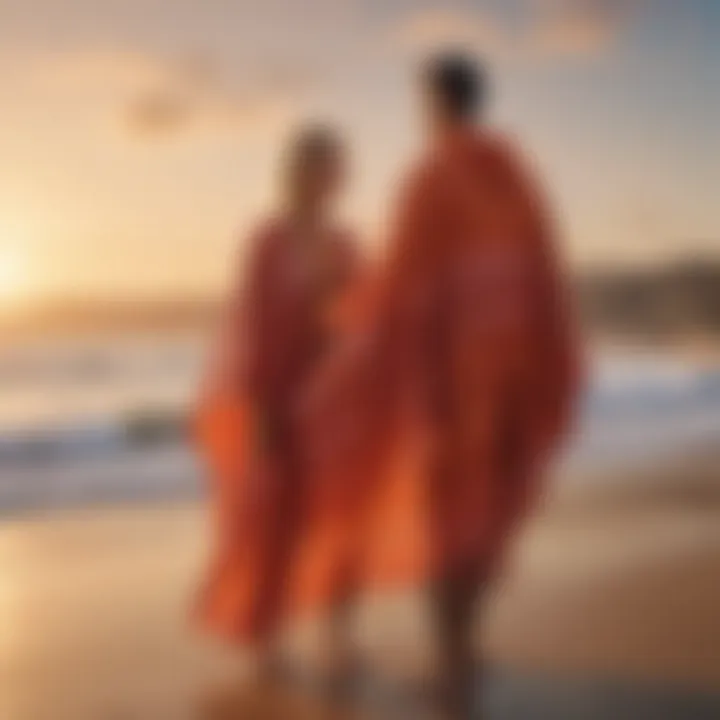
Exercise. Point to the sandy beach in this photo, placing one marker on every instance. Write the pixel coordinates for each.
(610, 604)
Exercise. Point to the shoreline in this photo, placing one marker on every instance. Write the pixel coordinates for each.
(616, 582)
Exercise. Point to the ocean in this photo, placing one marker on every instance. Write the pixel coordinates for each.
(100, 418)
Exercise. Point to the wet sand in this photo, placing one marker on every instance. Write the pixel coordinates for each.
(610, 610)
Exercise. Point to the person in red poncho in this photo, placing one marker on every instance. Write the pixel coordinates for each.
(429, 431)
(277, 328)
(391, 432)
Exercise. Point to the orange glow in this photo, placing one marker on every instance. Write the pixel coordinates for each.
(14, 276)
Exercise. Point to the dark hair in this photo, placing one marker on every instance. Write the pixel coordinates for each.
(458, 82)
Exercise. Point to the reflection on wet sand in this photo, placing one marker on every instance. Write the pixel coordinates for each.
(274, 703)
(94, 605)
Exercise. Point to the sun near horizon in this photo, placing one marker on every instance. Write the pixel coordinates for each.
(15, 279)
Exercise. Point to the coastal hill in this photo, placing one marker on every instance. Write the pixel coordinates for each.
(675, 301)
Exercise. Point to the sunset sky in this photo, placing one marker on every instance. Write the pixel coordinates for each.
(139, 138)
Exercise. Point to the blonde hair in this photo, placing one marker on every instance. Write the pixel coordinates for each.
(310, 145)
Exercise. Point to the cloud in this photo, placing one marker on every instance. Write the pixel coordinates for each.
(154, 95)
(579, 27)
(549, 29)
(429, 30)
(207, 97)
